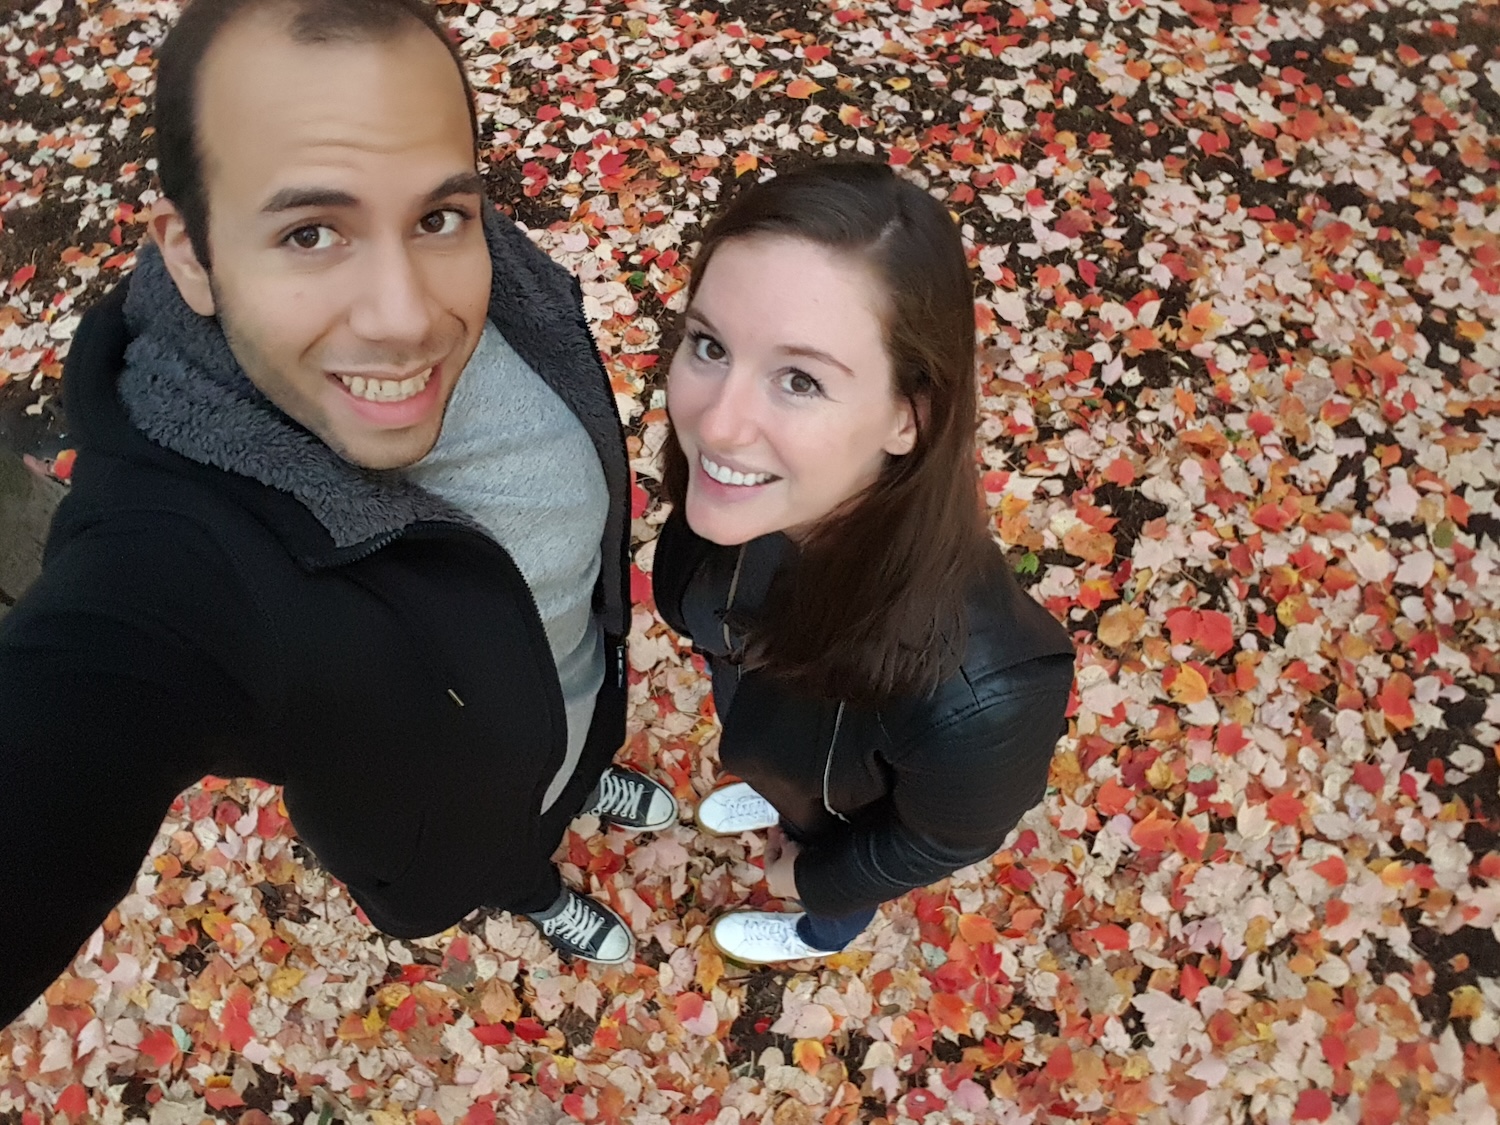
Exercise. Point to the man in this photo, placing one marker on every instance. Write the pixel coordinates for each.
(350, 513)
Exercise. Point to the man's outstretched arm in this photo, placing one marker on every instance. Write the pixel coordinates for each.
(112, 701)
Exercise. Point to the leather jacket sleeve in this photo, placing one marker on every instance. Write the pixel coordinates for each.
(678, 555)
(955, 796)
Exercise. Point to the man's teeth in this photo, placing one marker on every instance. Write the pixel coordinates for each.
(386, 390)
(730, 476)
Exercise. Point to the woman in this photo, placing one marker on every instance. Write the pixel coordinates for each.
(889, 695)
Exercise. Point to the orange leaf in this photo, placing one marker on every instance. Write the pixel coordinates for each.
(764, 78)
(1187, 686)
(801, 88)
(948, 1010)
(976, 929)
(1152, 834)
(1395, 701)
(1110, 936)
(1121, 625)
(1113, 798)
(745, 162)
(1120, 471)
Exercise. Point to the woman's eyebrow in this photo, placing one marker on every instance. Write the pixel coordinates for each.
(816, 353)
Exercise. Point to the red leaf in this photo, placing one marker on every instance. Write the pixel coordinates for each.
(1182, 624)
(1313, 1105)
(1111, 936)
(1285, 808)
(529, 1030)
(222, 1097)
(160, 1046)
(1215, 632)
(1089, 272)
(1121, 472)
(491, 1034)
(920, 1103)
(22, 276)
(405, 1015)
(1369, 776)
(1191, 982)
(480, 1113)
(1334, 870)
(1060, 1063)
(1382, 1104)
(73, 1101)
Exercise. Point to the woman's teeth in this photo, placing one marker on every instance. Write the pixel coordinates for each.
(386, 390)
(730, 476)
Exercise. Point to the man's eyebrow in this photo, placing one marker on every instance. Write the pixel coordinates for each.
(461, 183)
(298, 198)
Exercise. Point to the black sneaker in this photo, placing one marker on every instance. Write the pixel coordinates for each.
(579, 927)
(633, 801)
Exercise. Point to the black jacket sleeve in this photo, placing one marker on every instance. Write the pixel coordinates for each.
(113, 698)
(954, 799)
(679, 552)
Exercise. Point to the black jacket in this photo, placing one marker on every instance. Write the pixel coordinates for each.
(191, 620)
(896, 797)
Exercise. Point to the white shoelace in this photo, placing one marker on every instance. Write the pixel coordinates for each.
(773, 929)
(750, 804)
(577, 923)
(618, 795)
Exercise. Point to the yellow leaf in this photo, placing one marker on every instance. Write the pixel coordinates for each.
(284, 981)
(745, 162)
(1465, 1003)
(899, 83)
(1121, 624)
(850, 115)
(802, 88)
(1471, 330)
(710, 969)
(808, 1054)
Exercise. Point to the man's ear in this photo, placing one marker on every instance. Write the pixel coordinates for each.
(169, 232)
(912, 413)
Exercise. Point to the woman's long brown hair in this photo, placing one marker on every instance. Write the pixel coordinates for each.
(873, 606)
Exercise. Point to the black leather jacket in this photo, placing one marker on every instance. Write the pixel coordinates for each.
(895, 797)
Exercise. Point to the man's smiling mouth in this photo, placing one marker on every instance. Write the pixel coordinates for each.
(385, 390)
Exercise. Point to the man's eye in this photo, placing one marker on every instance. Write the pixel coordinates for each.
(446, 221)
(311, 238)
(707, 349)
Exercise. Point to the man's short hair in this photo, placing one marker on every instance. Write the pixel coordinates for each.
(178, 156)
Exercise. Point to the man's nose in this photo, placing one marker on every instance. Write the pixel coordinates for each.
(392, 303)
(732, 417)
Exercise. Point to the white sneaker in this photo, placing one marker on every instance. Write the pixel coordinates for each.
(758, 937)
(732, 809)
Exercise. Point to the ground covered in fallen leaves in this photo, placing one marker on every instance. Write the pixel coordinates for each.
(1238, 281)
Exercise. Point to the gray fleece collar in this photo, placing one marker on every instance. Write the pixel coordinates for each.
(183, 388)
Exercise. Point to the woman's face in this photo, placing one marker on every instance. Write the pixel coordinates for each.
(781, 393)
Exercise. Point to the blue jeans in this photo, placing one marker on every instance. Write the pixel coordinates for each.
(830, 934)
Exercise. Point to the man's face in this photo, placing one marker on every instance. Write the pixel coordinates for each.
(349, 266)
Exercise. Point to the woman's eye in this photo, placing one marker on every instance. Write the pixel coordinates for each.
(707, 349)
(314, 237)
(801, 383)
(446, 221)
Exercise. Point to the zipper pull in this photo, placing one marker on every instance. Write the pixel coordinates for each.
(620, 664)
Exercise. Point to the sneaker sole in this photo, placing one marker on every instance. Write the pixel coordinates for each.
(741, 960)
(709, 830)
